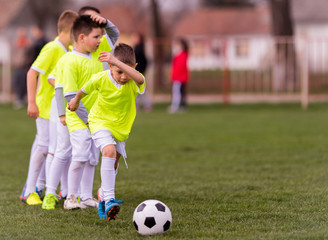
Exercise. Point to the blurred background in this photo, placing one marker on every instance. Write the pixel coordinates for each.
(239, 50)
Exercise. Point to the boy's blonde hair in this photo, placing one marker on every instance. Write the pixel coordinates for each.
(125, 54)
(66, 20)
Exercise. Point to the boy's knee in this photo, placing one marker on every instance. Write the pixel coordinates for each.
(42, 149)
(109, 151)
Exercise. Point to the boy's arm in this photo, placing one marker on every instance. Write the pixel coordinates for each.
(136, 76)
(74, 102)
(51, 80)
(59, 95)
(80, 109)
(32, 78)
(75, 105)
(112, 31)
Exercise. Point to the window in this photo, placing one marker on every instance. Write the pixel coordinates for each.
(242, 48)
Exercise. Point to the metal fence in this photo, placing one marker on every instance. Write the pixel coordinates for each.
(255, 69)
(233, 69)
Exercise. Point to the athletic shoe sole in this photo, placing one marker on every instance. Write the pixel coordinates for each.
(111, 214)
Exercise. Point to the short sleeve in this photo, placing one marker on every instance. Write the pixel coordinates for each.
(44, 61)
(92, 84)
(69, 77)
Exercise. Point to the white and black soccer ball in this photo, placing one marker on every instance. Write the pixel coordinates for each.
(152, 217)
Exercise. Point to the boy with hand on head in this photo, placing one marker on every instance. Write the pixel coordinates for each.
(75, 69)
(111, 118)
(39, 100)
(63, 153)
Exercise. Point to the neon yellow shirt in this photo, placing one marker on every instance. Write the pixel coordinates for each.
(115, 108)
(73, 70)
(105, 45)
(44, 64)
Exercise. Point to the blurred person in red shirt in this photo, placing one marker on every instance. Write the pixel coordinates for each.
(179, 76)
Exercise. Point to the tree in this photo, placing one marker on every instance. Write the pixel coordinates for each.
(284, 68)
(45, 12)
(158, 35)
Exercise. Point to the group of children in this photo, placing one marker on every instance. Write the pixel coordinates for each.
(83, 101)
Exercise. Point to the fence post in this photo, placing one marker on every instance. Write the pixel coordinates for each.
(304, 73)
(226, 74)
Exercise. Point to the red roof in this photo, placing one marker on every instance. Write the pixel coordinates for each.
(225, 21)
(125, 18)
(8, 10)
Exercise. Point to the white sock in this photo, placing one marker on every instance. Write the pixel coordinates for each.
(108, 176)
(87, 181)
(74, 177)
(42, 176)
(55, 171)
(49, 161)
(64, 179)
(35, 143)
(36, 164)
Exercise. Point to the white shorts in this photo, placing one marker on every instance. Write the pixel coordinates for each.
(83, 147)
(42, 128)
(104, 137)
(63, 146)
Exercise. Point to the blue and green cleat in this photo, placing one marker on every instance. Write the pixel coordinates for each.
(112, 208)
(101, 207)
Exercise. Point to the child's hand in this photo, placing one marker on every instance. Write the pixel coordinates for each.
(32, 110)
(73, 104)
(98, 19)
(107, 57)
(62, 119)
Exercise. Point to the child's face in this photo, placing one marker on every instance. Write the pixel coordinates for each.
(91, 42)
(118, 75)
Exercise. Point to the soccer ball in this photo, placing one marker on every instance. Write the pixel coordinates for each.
(152, 217)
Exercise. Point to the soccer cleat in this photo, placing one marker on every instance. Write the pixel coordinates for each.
(112, 208)
(72, 203)
(32, 199)
(101, 207)
(49, 202)
(23, 193)
(91, 202)
(39, 192)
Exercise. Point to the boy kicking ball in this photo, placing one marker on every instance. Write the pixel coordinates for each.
(111, 117)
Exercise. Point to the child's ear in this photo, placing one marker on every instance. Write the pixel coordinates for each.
(81, 37)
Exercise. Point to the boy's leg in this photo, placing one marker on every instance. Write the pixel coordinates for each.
(108, 177)
(38, 158)
(109, 165)
(88, 177)
(41, 179)
(63, 154)
(108, 205)
(53, 119)
(35, 143)
(81, 146)
(107, 172)
(64, 180)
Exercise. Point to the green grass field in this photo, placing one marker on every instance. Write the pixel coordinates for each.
(238, 172)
